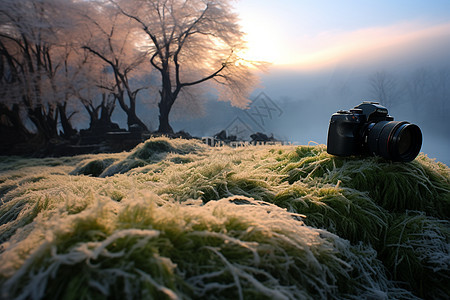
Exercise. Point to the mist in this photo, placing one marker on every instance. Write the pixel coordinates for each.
(300, 103)
(294, 102)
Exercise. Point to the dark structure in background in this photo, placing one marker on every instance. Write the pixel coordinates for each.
(222, 139)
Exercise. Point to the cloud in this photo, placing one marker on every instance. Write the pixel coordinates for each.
(401, 43)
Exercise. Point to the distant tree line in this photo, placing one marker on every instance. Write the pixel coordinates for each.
(59, 57)
(427, 90)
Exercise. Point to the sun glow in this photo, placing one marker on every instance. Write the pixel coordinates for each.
(331, 48)
(370, 44)
(260, 51)
(264, 42)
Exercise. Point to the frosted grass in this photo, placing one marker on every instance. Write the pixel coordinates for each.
(148, 247)
(175, 219)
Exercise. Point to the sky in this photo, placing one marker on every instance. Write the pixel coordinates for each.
(315, 34)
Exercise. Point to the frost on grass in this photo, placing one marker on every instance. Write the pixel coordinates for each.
(144, 246)
(176, 219)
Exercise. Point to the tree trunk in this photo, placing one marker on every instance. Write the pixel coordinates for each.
(106, 109)
(166, 103)
(132, 118)
(164, 110)
(65, 122)
(12, 116)
(45, 122)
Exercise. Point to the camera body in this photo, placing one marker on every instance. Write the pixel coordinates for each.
(368, 129)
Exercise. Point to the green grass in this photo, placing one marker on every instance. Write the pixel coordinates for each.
(175, 219)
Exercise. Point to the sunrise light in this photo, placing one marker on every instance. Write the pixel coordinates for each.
(305, 36)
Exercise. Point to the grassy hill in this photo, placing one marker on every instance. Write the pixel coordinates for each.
(175, 219)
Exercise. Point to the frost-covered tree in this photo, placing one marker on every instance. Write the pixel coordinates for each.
(113, 42)
(191, 42)
(35, 64)
(94, 90)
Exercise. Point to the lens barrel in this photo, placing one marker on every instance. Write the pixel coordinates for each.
(398, 141)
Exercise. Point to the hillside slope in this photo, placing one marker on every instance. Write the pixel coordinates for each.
(177, 219)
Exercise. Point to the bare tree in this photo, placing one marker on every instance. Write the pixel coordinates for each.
(384, 88)
(429, 91)
(12, 124)
(418, 88)
(97, 97)
(191, 42)
(113, 42)
(33, 63)
(440, 92)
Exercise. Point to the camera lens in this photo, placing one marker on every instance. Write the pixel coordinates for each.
(399, 141)
(405, 141)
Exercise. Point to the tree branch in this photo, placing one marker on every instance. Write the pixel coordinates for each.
(99, 55)
(183, 37)
(224, 65)
(144, 27)
(215, 74)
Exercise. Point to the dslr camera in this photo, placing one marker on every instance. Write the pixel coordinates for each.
(368, 129)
